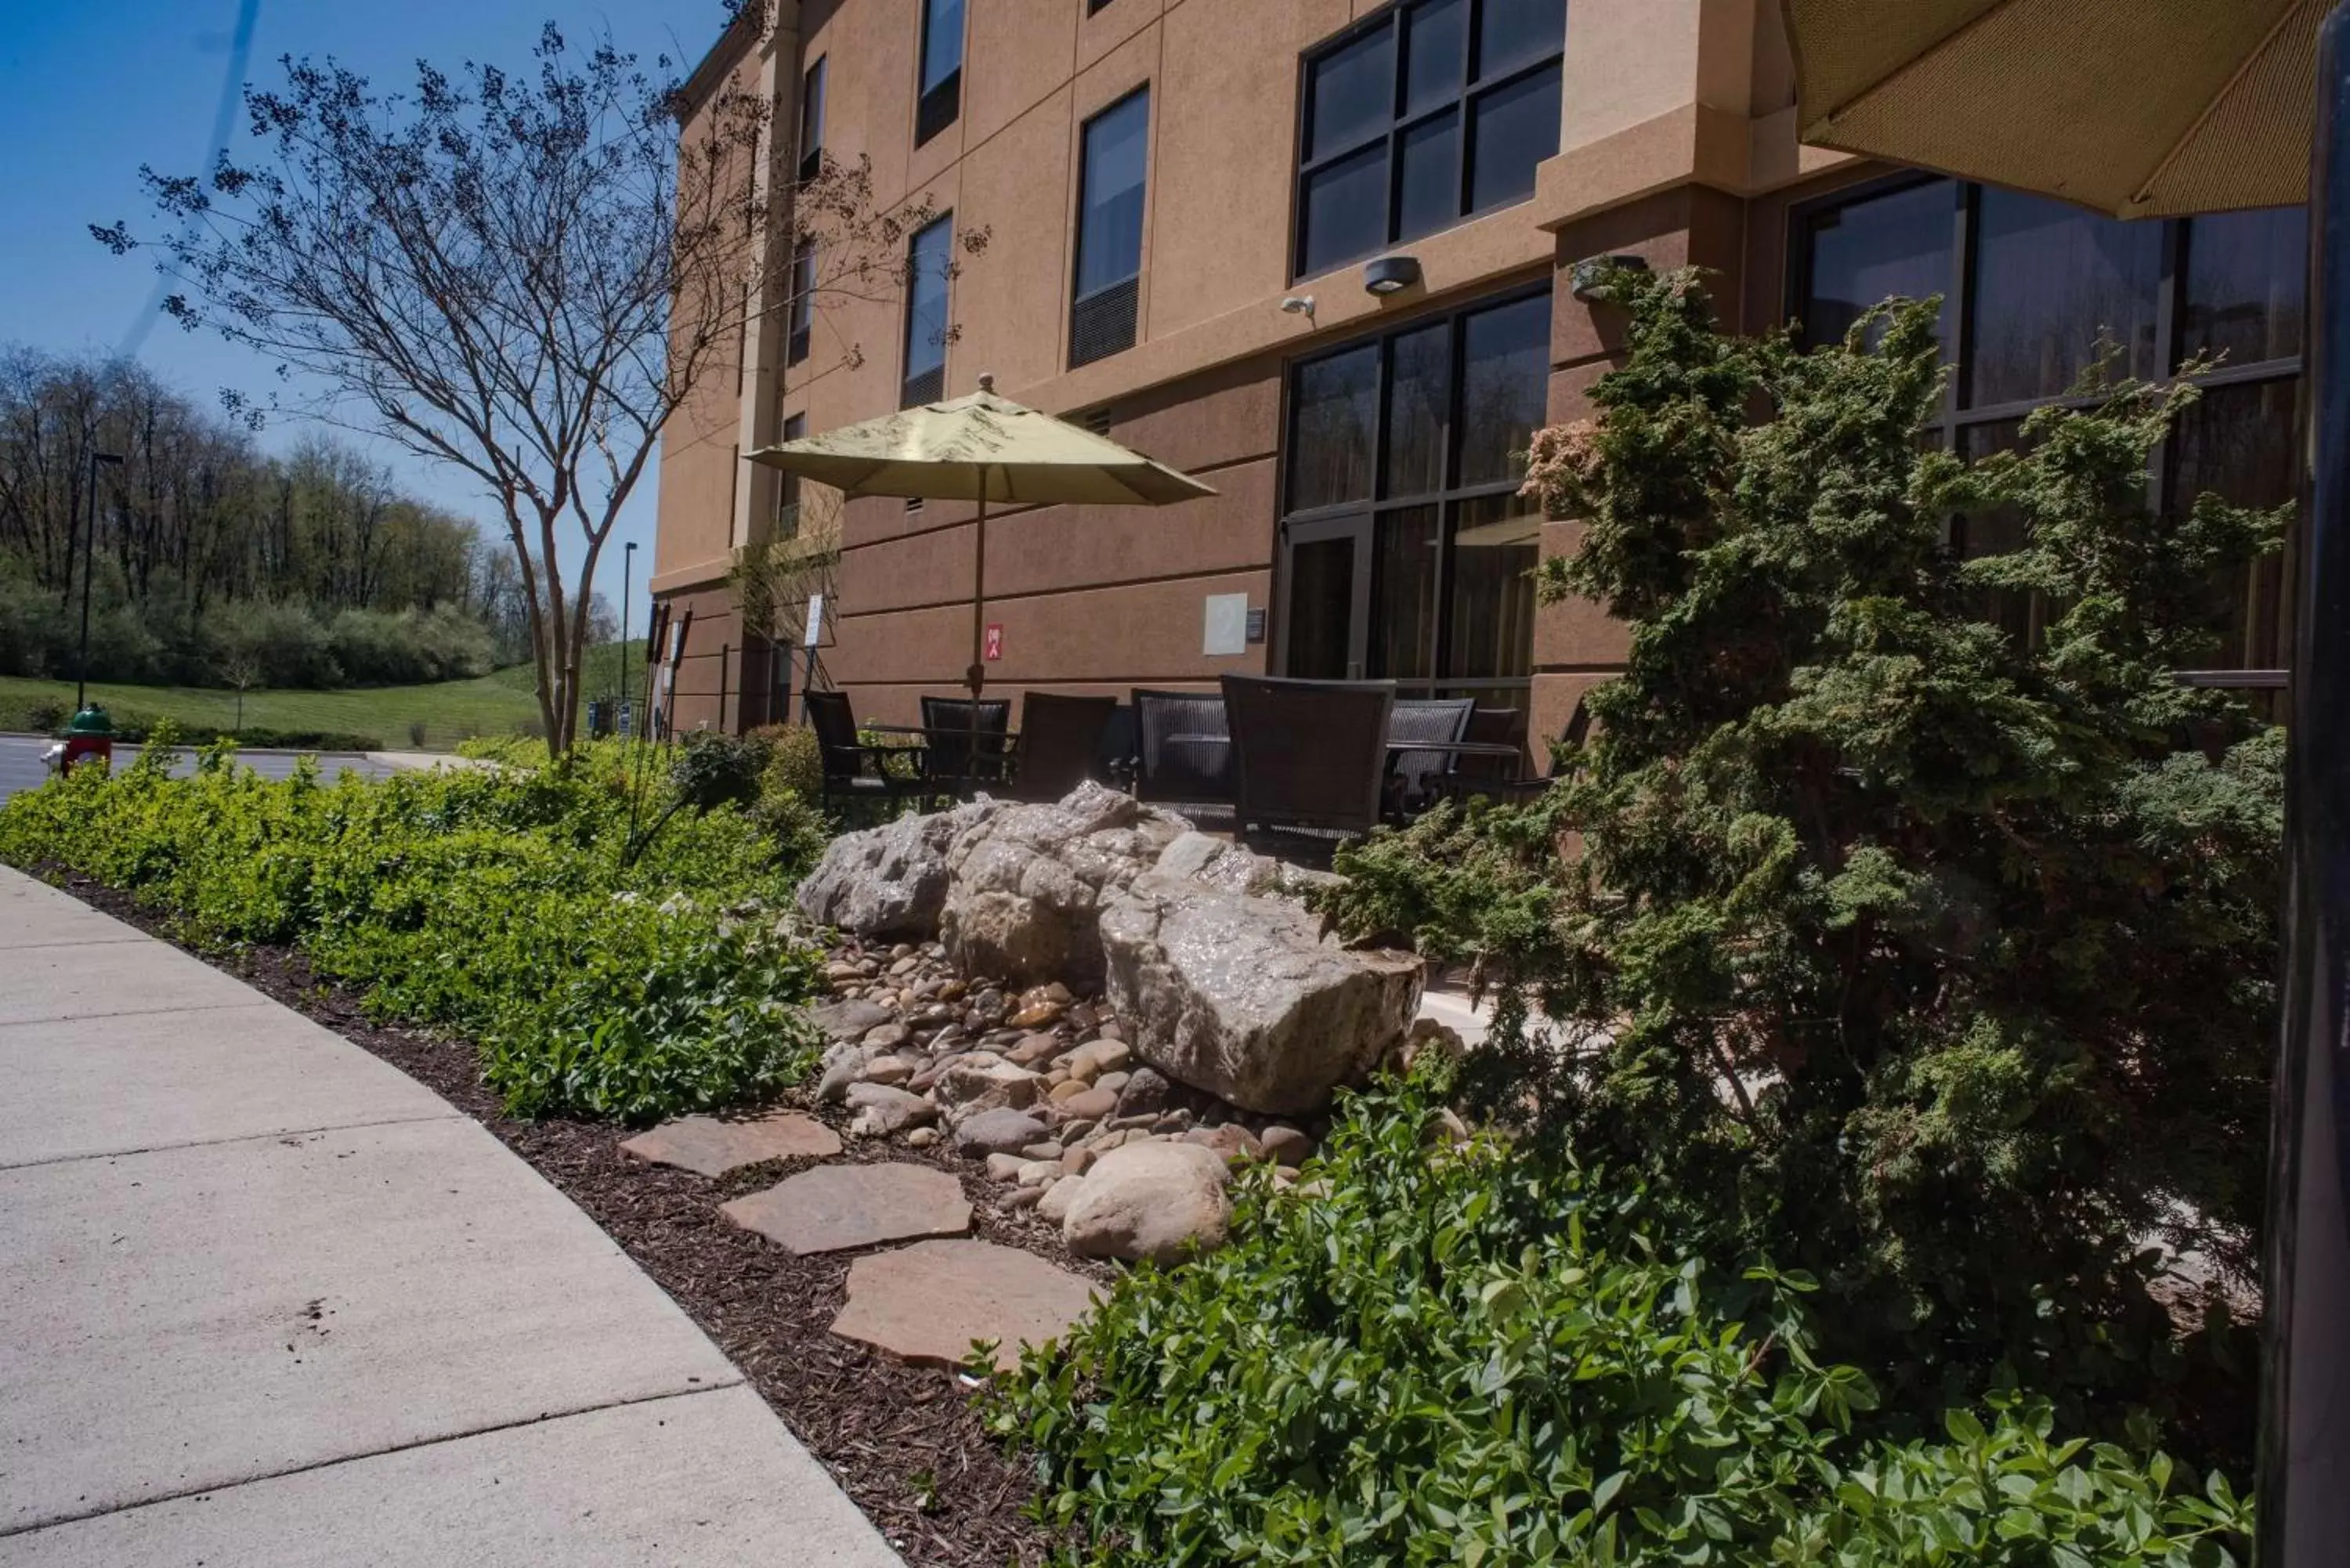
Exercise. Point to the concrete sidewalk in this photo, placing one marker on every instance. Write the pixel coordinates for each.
(268, 1301)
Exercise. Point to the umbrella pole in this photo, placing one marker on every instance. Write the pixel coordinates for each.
(976, 676)
(2304, 1471)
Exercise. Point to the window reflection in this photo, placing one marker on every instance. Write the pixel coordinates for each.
(1420, 391)
(1504, 386)
(1403, 593)
(1875, 249)
(1336, 409)
(2247, 276)
(2050, 280)
(2238, 443)
(1496, 540)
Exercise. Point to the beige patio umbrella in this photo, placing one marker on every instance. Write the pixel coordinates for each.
(985, 449)
(2150, 109)
(2142, 109)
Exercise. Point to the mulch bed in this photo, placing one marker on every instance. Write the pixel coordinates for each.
(904, 1442)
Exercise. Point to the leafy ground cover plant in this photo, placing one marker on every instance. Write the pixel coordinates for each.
(1477, 1355)
(1933, 959)
(495, 903)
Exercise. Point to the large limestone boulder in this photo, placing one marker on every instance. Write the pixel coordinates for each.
(1024, 884)
(1158, 1202)
(889, 881)
(1236, 869)
(1242, 996)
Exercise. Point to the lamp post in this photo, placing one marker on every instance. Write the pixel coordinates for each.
(621, 679)
(89, 570)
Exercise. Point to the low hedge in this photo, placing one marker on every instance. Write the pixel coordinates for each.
(497, 903)
(1470, 1356)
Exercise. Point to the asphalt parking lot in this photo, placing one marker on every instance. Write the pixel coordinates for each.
(20, 763)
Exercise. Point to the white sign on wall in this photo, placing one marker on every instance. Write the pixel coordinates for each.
(1226, 631)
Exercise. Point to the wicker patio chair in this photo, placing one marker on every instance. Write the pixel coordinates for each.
(963, 750)
(854, 770)
(1413, 777)
(1308, 753)
(1059, 746)
(1183, 771)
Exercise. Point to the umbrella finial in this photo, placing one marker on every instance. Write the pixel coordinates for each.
(987, 380)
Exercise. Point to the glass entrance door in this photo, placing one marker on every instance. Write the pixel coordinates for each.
(1326, 627)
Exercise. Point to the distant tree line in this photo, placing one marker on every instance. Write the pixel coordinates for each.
(217, 565)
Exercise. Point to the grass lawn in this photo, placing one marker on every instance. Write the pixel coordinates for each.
(434, 718)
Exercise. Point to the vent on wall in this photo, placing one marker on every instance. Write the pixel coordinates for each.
(1102, 324)
(1098, 420)
(913, 503)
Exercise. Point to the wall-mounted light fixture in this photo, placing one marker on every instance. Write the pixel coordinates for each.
(1588, 277)
(1299, 304)
(1390, 275)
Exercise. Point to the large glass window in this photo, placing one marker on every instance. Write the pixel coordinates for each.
(941, 97)
(1429, 112)
(1408, 549)
(2044, 290)
(928, 264)
(1110, 229)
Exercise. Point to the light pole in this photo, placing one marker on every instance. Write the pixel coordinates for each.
(89, 570)
(627, 570)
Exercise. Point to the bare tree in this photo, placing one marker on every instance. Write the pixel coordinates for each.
(521, 275)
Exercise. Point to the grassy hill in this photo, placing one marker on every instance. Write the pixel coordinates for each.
(431, 717)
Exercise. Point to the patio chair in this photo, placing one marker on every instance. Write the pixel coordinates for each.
(1309, 754)
(1185, 772)
(962, 750)
(1501, 778)
(1115, 755)
(853, 769)
(1060, 741)
(1413, 777)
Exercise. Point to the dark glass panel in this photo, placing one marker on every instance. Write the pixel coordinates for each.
(1867, 252)
(1109, 220)
(1427, 178)
(926, 298)
(2247, 277)
(1403, 594)
(787, 487)
(942, 41)
(2238, 443)
(1335, 411)
(1321, 609)
(1997, 533)
(1505, 386)
(811, 120)
(1496, 540)
(1419, 416)
(1435, 53)
(1353, 93)
(1344, 212)
(1511, 130)
(803, 312)
(1513, 33)
(2049, 281)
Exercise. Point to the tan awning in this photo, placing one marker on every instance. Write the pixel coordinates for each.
(2139, 107)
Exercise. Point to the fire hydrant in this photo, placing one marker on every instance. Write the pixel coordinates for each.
(90, 735)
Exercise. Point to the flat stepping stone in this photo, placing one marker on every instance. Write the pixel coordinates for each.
(835, 1207)
(712, 1146)
(926, 1303)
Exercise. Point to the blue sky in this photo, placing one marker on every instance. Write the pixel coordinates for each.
(75, 137)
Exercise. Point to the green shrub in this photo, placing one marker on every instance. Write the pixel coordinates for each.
(1936, 961)
(795, 761)
(494, 903)
(1473, 1356)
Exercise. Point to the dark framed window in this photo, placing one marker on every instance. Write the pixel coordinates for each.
(2034, 290)
(788, 485)
(1425, 114)
(940, 100)
(803, 311)
(928, 266)
(812, 121)
(1112, 162)
(1093, 5)
(1406, 550)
